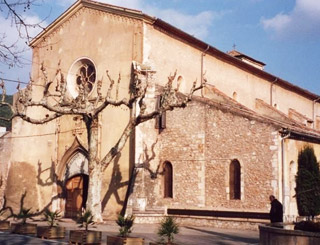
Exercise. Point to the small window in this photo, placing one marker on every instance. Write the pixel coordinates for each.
(168, 179)
(235, 180)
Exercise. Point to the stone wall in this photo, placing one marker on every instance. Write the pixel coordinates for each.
(200, 142)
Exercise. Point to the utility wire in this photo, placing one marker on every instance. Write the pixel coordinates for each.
(18, 81)
(40, 135)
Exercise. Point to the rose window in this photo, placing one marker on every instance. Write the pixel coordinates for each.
(81, 77)
(86, 77)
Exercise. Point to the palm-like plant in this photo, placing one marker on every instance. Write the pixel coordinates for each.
(125, 224)
(168, 228)
(86, 219)
(52, 217)
(24, 214)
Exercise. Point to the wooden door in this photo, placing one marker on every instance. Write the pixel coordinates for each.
(77, 188)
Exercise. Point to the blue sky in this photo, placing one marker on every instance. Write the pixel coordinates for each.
(283, 34)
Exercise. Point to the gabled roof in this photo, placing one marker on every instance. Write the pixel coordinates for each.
(177, 34)
(136, 14)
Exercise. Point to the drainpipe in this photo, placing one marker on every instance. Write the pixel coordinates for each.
(272, 83)
(284, 135)
(201, 75)
(313, 110)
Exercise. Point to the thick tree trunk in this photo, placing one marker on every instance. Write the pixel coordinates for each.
(94, 193)
(95, 171)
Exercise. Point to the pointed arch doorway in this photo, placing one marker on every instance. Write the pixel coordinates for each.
(76, 195)
(76, 184)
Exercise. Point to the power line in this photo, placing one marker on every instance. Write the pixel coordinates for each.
(18, 81)
(12, 81)
(40, 135)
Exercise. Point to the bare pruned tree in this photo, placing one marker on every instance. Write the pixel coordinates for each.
(57, 104)
(14, 11)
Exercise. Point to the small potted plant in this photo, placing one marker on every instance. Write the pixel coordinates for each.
(125, 224)
(85, 236)
(168, 228)
(23, 227)
(53, 230)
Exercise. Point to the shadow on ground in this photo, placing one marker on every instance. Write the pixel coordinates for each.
(227, 237)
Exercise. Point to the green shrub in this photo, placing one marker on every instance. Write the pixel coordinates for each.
(125, 224)
(52, 217)
(85, 219)
(23, 214)
(168, 228)
(308, 183)
(307, 226)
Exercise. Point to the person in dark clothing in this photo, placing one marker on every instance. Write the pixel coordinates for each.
(276, 211)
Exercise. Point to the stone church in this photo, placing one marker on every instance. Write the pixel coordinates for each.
(214, 162)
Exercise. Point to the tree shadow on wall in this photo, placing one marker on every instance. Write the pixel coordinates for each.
(15, 206)
(116, 179)
(52, 178)
(147, 160)
(115, 184)
(22, 208)
(146, 165)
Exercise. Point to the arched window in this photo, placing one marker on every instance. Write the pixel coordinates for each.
(180, 81)
(168, 180)
(235, 95)
(235, 180)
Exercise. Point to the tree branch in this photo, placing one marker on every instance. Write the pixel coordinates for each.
(48, 118)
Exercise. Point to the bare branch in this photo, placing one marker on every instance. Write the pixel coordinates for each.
(118, 85)
(18, 19)
(4, 92)
(111, 84)
(47, 118)
(170, 103)
(5, 119)
(11, 51)
(117, 148)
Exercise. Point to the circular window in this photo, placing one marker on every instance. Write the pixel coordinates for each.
(81, 77)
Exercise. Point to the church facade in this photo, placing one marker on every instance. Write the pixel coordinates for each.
(214, 162)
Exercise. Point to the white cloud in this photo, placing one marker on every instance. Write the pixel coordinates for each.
(277, 23)
(195, 24)
(11, 37)
(134, 4)
(302, 21)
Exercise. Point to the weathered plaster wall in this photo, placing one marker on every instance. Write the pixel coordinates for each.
(5, 151)
(226, 77)
(291, 152)
(20, 190)
(112, 43)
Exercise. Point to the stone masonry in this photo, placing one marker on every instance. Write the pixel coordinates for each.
(200, 142)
